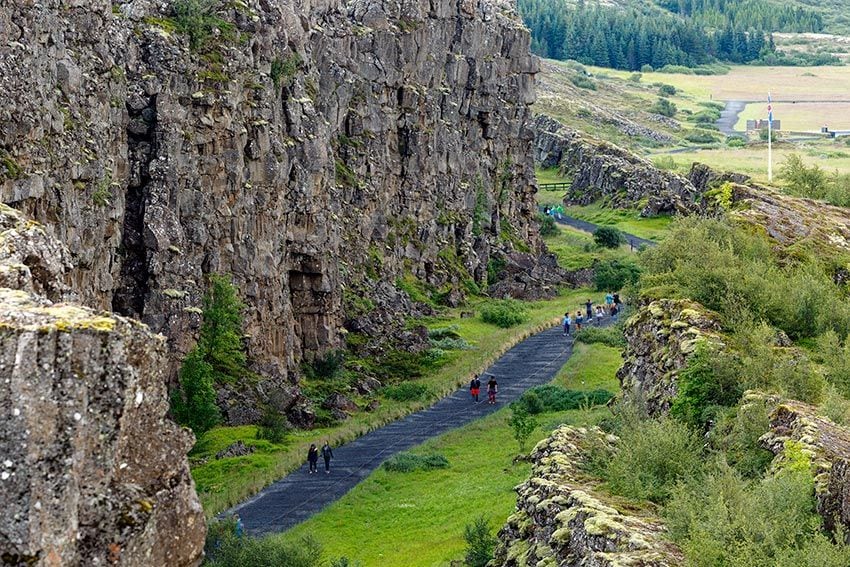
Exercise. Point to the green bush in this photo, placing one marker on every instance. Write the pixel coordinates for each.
(663, 107)
(522, 423)
(722, 519)
(737, 434)
(614, 274)
(406, 392)
(652, 457)
(273, 427)
(583, 82)
(398, 365)
(736, 142)
(197, 19)
(552, 397)
(608, 237)
(480, 543)
(666, 163)
(548, 227)
(504, 313)
(700, 137)
(611, 336)
(635, 77)
(325, 366)
(666, 90)
(408, 462)
(229, 551)
(705, 383)
(193, 404)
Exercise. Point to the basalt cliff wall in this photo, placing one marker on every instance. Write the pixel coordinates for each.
(308, 148)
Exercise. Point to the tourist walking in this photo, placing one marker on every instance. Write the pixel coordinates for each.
(313, 458)
(567, 322)
(475, 387)
(609, 300)
(589, 305)
(327, 454)
(579, 321)
(492, 389)
(617, 299)
(614, 312)
(599, 314)
(238, 527)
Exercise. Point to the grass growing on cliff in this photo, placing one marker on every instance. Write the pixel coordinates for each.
(400, 519)
(223, 483)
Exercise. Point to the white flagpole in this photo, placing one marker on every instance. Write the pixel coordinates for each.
(769, 140)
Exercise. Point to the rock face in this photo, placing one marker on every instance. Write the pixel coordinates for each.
(304, 147)
(660, 338)
(93, 472)
(827, 444)
(562, 519)
(600, 170)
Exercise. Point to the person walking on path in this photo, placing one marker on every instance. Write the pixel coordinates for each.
(617, 300)
(579, 321)
(609, 300)
(313, 458)
(327, 454)
(599, 314)
(589, 305)
(566, 322)
(475, 387)
(614, 312)
(492, 389)
(238, 527)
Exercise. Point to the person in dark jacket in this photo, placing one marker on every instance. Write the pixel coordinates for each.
(474, 388)
(313, 458)
(492, 389)
(327, 454)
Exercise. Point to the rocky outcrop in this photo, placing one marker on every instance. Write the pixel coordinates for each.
(530, 278)
(563, 519)
(293, 147)
(600, 170)
(828, 446)
(660, 338)
(93, 472)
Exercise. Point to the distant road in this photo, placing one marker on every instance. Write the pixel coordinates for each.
(729, 116)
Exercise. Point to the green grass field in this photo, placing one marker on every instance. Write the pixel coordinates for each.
(417, 519)
(576, 250)
(630, 221)
(801, 116)
(225, 482)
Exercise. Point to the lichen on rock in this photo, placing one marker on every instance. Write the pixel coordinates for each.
(564, 519)
(660, 338)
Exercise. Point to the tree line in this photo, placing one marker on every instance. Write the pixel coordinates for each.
(631, 38)
(746, 14)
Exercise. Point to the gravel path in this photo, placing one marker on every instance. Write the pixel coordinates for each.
(298, 496)
(586, 226)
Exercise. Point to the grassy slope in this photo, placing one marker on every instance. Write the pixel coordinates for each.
(223, 483)
(417, 519)
(628, 221)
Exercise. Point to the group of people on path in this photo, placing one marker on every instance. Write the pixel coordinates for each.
(492, 389)
(612, 308)
(313, 457)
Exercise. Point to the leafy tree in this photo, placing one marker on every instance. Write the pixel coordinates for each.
(803, 180)
(221, 331)
(522, 423)
(193, 405)
(614, 274)
(664, 107)
(218, 357)
(480, 543)
(608, 236)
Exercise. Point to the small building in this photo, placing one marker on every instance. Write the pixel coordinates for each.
(761, 124)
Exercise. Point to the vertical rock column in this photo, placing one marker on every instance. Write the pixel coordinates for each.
(92, 472)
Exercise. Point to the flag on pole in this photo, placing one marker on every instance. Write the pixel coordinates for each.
(769, 111)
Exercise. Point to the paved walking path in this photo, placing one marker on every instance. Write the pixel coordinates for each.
(586, 226)
(299, 495)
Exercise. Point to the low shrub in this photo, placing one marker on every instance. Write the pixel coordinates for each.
(548, 227)
(736, 142)
(700, 137)
(273, 427)
(409, 462)
(406, 392)
(583, 82)
(551, 397)
(228, 550)
(608, 237)
(614, 274)
(652, 457)
(522, 423)
(480, 543)
(504, 313)
(737, 434)
(705, 383)
(722, 519)
(663, 107)
(666, 90)
(611, 336)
